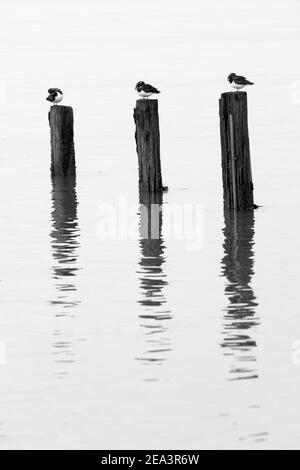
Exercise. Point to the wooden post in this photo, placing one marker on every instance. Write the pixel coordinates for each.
(236, 162)
(148, 145)
(150, 216)
(62, 141)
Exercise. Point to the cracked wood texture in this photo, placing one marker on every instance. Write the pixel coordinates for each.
(61, 122)
(236, 162)
(148, 145)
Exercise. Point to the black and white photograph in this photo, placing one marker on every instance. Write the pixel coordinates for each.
(150, 228)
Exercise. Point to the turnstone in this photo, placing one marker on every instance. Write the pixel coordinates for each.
(55, 95)
(145, 90)
(238, 82)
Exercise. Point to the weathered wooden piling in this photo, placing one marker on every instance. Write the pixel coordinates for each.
(236, 162)
(61, 122)
(150, 216)
(148, 145)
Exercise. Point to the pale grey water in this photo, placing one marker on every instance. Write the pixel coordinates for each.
(126, 343)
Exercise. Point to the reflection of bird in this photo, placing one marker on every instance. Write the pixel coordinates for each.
(55, 95)
(145, 90)
(238, 82)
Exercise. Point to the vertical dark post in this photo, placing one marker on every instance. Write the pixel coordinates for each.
(236, 162)
(148, 145)
(61, 122)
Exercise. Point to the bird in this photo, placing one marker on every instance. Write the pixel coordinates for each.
(145, 90)
(238, 82)
(55, 95)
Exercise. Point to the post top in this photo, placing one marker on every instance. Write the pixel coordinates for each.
(61, 107)
(234, 93)
(145, 101)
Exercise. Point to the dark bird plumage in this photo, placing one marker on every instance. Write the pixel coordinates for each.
(146, 88)
(54, 90)
(238, 80)
(55, 95)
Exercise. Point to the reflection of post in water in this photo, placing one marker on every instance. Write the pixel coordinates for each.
(153, 280)
(240, 320)
(65, 229)
(64, 242)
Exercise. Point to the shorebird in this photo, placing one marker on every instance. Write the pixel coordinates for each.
(145, 90)
(238, 82)
(55, 95)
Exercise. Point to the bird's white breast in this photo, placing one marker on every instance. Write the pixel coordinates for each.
(58, 98)
(236, 86)
(144, 94)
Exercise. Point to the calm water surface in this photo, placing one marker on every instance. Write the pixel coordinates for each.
(131, 342)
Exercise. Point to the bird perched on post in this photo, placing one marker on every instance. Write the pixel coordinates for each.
(55, 95)
(145, 90)
(238, 82)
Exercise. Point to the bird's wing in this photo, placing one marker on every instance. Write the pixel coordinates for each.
(239, 80)
(54, 90)
(150, 89)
